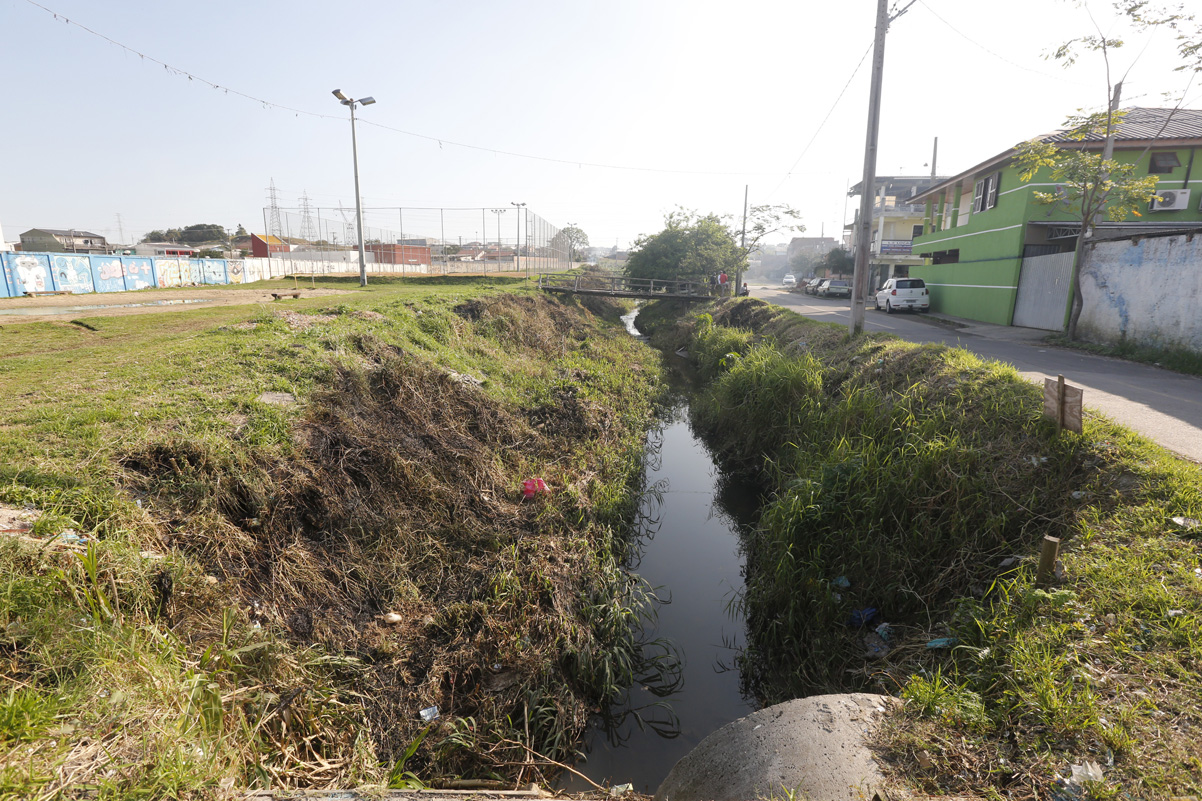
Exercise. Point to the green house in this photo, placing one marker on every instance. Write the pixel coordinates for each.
(996, 254)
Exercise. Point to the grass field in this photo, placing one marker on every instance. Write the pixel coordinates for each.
(248, 544)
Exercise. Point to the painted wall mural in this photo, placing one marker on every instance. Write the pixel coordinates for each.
(72, 274)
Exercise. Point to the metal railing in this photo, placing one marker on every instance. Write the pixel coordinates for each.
(624, 286)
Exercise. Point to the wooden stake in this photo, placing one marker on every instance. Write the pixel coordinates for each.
(1060, 403)
(1047, 559)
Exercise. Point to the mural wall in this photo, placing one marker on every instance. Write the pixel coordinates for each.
(69, 272)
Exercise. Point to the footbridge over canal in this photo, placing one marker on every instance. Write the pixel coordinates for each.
(620, 286)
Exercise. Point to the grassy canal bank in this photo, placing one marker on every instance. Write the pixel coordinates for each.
(245, 546)
(908, 489)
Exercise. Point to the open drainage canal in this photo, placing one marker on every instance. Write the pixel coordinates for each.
(689, 551)
(40, 310)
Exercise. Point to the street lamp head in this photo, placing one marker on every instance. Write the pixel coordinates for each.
(519, 205)
(366, 101)
(338, 94)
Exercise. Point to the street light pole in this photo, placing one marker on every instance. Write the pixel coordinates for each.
(498, 212)
(351, 103)
(517, 249)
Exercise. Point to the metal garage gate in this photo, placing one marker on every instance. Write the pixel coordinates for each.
(1043, 287)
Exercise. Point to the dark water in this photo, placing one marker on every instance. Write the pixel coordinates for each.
(690, 553)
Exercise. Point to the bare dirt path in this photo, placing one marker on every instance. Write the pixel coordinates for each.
(147, 301)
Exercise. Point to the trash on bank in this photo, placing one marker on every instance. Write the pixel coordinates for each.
(942, 642)
(841, 582)
(620, 790)
(534, 486)
(862, 617)
(429, 713)
(875, 646)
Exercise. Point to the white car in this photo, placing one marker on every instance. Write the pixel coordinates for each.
(903, 293)
(789, 280)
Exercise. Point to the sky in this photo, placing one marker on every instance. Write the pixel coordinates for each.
(607, 115)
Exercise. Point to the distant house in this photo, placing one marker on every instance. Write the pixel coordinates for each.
(164, 249)
(401, 253)
(997, 254)
(896, 220)
(56, 240)
(262, 247)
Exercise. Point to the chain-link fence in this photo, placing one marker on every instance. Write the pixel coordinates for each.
(423, 240)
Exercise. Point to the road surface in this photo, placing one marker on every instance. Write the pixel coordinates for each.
(1164, 406)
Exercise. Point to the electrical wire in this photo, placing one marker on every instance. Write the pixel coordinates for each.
(821, 125)
(267, 104)
(998, 56)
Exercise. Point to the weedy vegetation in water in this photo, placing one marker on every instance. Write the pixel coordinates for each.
(909, 490)
(267, 537)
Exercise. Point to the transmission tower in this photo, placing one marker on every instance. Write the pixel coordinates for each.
(308, 230)
(274, 226)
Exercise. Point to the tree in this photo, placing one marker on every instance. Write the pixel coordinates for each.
(762, 222)
(1089, 183)
(689, 248)
(241, 232)
(838, 262)
(575, 240)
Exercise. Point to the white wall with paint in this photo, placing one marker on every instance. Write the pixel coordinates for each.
(1144, 290)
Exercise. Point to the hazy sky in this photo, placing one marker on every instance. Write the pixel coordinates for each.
(686, 101)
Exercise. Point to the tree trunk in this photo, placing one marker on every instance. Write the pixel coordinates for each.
(1078, 263)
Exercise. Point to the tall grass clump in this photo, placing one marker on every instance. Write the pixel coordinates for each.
(908, 490)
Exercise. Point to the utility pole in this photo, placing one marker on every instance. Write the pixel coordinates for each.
(742, 246)
(868, 183)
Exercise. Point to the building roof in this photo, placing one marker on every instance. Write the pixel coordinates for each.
(270, 239)
(1142, 124)
(63, 232)
(1139, 127)
(898, 182)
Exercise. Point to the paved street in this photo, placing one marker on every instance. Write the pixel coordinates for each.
(1161, 405)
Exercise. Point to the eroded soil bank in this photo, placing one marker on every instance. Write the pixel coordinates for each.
(294, 549)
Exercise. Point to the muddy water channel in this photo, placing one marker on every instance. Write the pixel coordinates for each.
(688, 550)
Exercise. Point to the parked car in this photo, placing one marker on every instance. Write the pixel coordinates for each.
(835, 288)
(812, 285)
(903, 293)
(789, 280)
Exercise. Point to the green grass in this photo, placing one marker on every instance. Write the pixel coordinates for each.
(224, 629)
(1179, 360)
(906, 478)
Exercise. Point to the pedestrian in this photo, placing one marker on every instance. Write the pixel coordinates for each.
(722, 279)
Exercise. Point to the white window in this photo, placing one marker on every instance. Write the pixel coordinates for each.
(984, 192)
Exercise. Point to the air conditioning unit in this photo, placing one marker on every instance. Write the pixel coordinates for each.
(1170, 200)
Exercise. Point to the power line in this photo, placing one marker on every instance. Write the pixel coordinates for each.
(822, 124)
(267, 104)
(998, 56)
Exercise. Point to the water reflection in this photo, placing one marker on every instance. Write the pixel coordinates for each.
(688, 549)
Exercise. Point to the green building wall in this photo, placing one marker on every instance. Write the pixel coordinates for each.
(983, 284)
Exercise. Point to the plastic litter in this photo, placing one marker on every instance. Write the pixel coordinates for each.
(1175, 613)
(884, 631)
(71, 537)
(862, 617)
(429, 713)
(1187, 523)
(875, 646)
(1077, 494)
(1089, 772)
(534, 486)
(620, 790)
(942, 642)
(841, 582)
